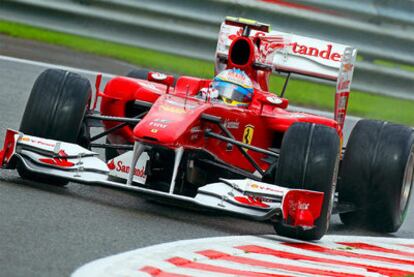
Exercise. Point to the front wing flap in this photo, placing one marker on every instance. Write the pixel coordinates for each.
(244, 197)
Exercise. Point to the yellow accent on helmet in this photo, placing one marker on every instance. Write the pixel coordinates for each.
(231, 102)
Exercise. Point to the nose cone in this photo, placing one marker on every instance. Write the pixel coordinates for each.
(170, 120)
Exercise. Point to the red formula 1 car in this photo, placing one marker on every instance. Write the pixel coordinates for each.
(174, 140)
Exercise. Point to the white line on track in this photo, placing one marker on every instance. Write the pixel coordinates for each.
(49, 65)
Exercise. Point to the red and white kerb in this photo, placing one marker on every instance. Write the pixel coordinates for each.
(265, 256)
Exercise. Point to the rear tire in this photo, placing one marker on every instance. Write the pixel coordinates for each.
(309, 159)
(55, 110)
(110, 153)
(138, 73)
(377, 175)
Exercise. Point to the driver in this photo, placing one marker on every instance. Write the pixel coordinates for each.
(233, 87)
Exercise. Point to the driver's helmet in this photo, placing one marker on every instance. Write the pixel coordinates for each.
(234, 87)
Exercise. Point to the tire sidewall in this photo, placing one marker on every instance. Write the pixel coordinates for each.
(372, 174)
(309, 160)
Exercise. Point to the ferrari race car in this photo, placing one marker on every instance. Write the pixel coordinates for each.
(169, 139)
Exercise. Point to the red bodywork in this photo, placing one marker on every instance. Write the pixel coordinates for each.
(174, 119)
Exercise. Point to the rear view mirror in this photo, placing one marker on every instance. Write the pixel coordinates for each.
(273, 100)
(161, 78)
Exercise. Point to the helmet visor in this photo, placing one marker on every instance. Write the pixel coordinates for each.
(232, 91)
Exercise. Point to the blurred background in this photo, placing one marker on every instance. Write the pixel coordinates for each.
(179, 36)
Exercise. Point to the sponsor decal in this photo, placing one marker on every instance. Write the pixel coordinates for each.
(303, 206)
(158, 125)
(154, 131)
(37, 141)
(347, 67)
(269, 43)
(343, 101)
(195, 132)
(60, 161)
(263, 187)
(195, 129)
(274, 100)
(172, 109)
(248, 134)
(297, 115)
(236, 35)
(162, 120)
(111, 165)
(344, 85)
(121, 167)
(232, 124)
(326, 54)
(297, 205)
(180, 104)
(268, 46)
(237, 77)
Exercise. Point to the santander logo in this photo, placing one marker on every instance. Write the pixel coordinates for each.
(326, 53)
(111, 165)
(120, 167)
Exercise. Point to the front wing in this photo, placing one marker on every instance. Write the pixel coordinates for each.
(245, 197)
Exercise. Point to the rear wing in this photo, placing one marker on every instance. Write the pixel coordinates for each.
(286, 52)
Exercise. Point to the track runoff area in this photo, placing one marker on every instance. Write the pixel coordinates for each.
(262, 256)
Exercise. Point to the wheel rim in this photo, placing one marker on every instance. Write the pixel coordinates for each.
(407, 182)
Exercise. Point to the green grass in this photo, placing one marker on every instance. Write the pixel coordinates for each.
(395, 65)
(298, 92)
(360, 104)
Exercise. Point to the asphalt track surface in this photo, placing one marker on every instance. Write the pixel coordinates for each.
(51, 231)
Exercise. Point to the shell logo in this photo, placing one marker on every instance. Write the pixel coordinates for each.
(254, 186)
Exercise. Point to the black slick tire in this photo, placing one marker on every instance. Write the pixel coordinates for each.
(138, 73)
(55, 110)
(309, 160)
(110, 153)
(377, 175)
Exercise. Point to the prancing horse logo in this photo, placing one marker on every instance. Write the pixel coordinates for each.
(248, 134)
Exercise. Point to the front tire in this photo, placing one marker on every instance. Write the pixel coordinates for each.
(377, 175)
(309, 160)
(55, 110)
